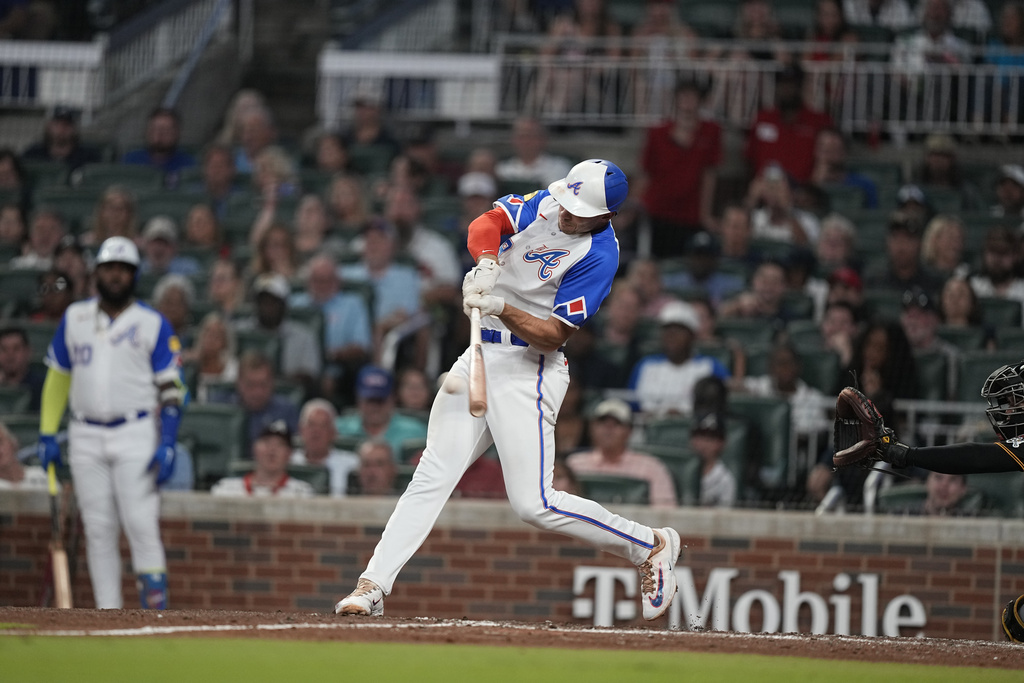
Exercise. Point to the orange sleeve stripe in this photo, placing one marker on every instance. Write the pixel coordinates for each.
(485, 233)
(1012, 455)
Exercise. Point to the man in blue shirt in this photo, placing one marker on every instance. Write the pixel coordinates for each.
(163, 133)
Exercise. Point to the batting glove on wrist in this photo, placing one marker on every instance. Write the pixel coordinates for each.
(481, 279)
(48, 451)
(488, 304)
(163, 461)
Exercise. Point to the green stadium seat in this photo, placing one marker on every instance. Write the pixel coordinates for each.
(175, 205)
(18, 288)
(747, 331)
(215, 433)
(1008, 338)
(964, 338)
(40, 334)
(257, 340)
(15, 400)
(804, 334)
(42, 173)
(370, 159)
(932, 375)
(998, 312)
(614, 490)
(315, 181)
(76, 206)
(820, 369)
(844, 199)
(909, 497)
(883, 304)
(716, 350)
(976, 366)
(685, 467)
(769, 421)
(98, 177)
(1004, 492)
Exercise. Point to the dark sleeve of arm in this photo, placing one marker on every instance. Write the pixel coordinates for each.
(967, 458)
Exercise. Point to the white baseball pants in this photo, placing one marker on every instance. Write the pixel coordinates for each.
(115, 491)
(524, 392)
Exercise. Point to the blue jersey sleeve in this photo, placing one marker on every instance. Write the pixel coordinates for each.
(57, 355)
(166, 349)
(589, 280)
(522, 210)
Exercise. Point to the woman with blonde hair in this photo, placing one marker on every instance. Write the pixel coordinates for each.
(942, 248)
(116, 214)
(244, 101)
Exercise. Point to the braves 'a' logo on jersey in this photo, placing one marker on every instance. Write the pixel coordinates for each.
(548, 259)
(576, 187)
(129, 334)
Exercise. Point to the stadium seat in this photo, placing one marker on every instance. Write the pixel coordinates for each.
(40, 334)
(614, 490)
(899, 498)
(175, 205)
(258, 340)
(964, 338)
(932, 375)
(844, 199)
(370, 159)
(76, 206)
(944, 200)
(999, 312)
(1009, 338)
(685, 467)
(804, 334)
(709, 19)
(820, 369)
(769, 421)
(215, 434)
(43, 173)
(98, 177)
(747, 331)
(1004, 492)
(15, 399)
(716, 350)
(672, 431)
(883, 304)
(18, 288)
(976, 366)
(410, 449)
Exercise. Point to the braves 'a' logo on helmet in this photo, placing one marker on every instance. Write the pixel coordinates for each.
(576, 187)
(548, 259)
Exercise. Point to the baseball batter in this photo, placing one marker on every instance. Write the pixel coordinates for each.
(118, 361)
(861, 438)
(545, 262)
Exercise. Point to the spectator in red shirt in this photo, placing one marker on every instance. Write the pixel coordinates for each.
(785, 134)
(680, 163)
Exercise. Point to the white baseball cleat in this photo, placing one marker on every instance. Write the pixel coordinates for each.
(366, 600)
(657, 576)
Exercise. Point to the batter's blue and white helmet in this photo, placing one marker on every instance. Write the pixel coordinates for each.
(118, 250)
(593, 187)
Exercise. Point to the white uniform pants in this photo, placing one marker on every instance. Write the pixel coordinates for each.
(524, 391)
(115, 491)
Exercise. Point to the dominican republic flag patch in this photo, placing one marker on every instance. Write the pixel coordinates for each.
(577, 307)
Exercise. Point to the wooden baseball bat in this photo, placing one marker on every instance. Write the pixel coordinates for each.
(58, 556)
(477, 376)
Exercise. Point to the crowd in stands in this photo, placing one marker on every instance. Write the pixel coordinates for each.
(315, 288)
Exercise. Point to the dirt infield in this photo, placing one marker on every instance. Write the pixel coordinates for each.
(17, 621)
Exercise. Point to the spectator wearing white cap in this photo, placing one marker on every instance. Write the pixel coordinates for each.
(610, 428)
(1010, 192)
(160, 250)
(664, 382)
(300, 357)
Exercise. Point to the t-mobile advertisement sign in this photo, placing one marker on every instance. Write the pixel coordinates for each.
(780, 607)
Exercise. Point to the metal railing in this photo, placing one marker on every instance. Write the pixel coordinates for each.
(865, 87)
(90, 76)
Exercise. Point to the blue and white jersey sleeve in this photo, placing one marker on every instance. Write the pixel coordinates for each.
(588, 281)
(166, 354)
(57, 356)
(522, 210)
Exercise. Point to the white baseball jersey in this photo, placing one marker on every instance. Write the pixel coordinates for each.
(547, 272)
(116, 365)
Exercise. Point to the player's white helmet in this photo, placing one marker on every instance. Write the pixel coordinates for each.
(118, 250)
(1004, 391)
(593, 187)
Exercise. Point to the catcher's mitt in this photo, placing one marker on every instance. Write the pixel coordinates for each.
(1013, 622)
(860, 436)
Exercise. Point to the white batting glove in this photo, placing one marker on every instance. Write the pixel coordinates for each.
(481, 279)
(488, 304)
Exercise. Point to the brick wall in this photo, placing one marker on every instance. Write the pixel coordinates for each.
(482, 563)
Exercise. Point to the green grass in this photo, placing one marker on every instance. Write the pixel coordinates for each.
(152, 660)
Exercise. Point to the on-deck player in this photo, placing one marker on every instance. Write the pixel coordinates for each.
(545, 262)
(118, 360)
